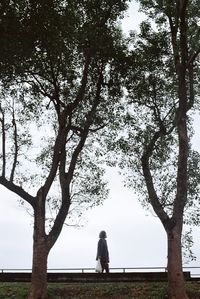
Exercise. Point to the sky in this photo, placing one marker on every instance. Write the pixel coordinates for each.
(135, 237)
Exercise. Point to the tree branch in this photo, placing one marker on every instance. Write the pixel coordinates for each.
(15, 146)
(192, 58)
(18, 190)
(58, 147)
(3, 142)
(83, 84)
(158, 208)
(66, 178)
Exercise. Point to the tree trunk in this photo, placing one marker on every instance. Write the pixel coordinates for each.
(39, 270)
(40, 251)
(176, 283)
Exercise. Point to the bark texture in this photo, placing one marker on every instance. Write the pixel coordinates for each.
(176, 282)
(40, 251)
(39, 271)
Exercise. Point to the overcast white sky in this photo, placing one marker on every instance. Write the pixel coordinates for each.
(135, 237)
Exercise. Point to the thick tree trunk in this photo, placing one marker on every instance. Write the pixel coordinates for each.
(40, 251)
(39, 270)
(176, 283)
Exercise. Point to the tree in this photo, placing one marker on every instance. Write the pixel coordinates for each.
(58, 98)
(162, 85)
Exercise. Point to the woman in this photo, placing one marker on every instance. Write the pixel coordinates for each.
(102, 251)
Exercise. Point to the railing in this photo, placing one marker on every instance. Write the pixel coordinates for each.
(86, 270)
(195, 271)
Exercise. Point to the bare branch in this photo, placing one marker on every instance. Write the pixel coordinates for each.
(59, 144)
(18, 190)
(158, 208)
(192, 58)
(66, 178)
(15, 144)
(83, 84)
(3, 142)
(88, 122)
(98, 128)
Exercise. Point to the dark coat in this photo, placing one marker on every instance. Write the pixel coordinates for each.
(102, 250)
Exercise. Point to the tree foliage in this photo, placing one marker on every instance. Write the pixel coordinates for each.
(61, 71)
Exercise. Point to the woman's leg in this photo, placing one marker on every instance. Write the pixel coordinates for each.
(104, 266)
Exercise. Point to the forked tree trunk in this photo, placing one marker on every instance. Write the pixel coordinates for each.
(176, 282)
(39, 270)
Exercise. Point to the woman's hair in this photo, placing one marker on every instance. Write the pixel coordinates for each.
(102, 234)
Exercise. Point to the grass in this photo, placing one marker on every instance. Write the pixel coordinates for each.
(13, 290)
(120, 290)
